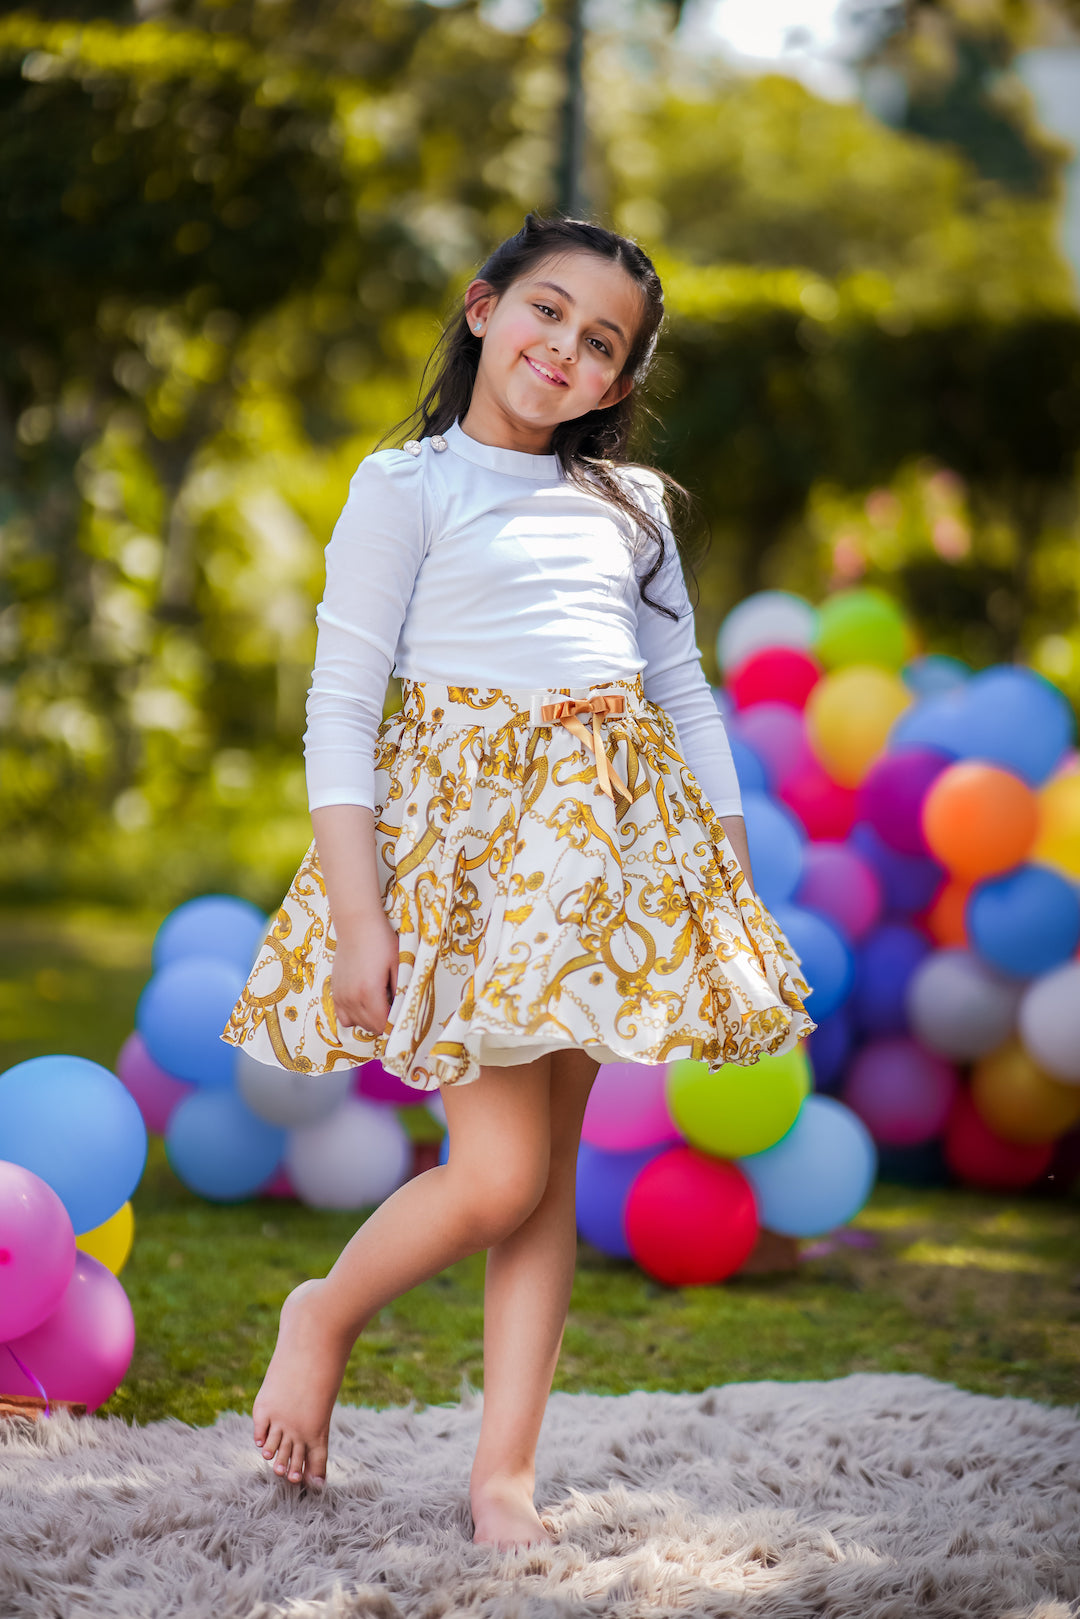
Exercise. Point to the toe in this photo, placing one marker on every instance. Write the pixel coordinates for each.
(281, 1461)
(315, 1466)
(296, 1463)
(273, 1440)
(261, 1427)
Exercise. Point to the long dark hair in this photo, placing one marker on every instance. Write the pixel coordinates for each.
(593, 447)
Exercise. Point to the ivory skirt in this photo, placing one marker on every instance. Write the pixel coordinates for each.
(545, 893)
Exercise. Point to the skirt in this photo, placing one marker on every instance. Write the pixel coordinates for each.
(556, 878)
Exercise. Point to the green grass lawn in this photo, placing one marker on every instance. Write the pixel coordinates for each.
(979, 1290)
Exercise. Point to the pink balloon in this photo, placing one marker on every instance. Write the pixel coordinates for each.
(157, 1092)
(841, 886)
(777, 734)
(825, 809)
(891, 795)
(902, 1092)
(627, 1108)
(377, 1084)
(83, 1349)
(279, 1184)
(37, 1250)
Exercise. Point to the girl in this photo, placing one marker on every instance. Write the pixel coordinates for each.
(539, 863)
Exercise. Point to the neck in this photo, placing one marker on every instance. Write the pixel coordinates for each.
(489, 423)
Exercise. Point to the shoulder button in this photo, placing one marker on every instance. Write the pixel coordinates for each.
(412, 445)
(438, 442)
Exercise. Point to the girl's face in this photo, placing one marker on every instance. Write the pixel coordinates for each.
(554, 343)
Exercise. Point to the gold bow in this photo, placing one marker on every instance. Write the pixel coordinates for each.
(565, 712)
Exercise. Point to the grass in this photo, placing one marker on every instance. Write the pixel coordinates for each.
(978, 1290)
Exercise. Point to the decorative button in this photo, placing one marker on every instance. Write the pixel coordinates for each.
(412, 445)
(438, 442)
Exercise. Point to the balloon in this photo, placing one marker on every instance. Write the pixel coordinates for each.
(776, 734)
(902, 1092)
(1016, 1100)
(627, 1108)
(891, 797)
(825, 809)
(848, 718)
(1024, 922)
(777, 674)
(938, 721)
(436, 1106)
(819, 1176)
(909, 882)
(111, 1242)
(604, 1180)
(378, 1084)
(768, 618)
(279, 1185)
(749, 770)
(862, 626)
(739, 1108)
(351, 1160)
(980, 1157)
(946, 918)
(83, 1349)
(979, 819)
(827, 963)
(830, 1047)
(842, 886)
(690, 1219)
(219, 1148)
(775, 841)
(218, 926)
(181, 1013)
(1058, 840)
(960, 1007)
(936, 672)
(1049, 1022)
(157, 1093)
(37, 1251)
(1016, 718)
(72, 1122)
(284, 1097)
(884, 967)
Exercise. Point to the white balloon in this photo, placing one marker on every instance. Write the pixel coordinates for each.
(959, 1007)
(352, 1159)
(1050, 1022)
(767, 618)
(437, 1108)
(287, 1098)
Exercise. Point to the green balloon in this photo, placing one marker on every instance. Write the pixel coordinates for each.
(738, 1110)
(862, 626)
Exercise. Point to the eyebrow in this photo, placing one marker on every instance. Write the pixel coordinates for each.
(610, 324)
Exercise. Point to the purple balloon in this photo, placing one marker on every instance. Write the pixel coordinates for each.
(157, 1093)
(37, 1251)
(829, 1047)
(902, 1092)
(83, 1349)
(604, 1180)
(883, 969)
(378, 1084)
(841, 884)
(777, 734)
(891, 796)
(909, 881)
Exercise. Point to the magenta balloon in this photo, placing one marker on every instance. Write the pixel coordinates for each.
(37, 1250)
(842, 886)
(902, 1092)
(377, 1084)
(777, 734)
(83, 1349)
(892, 793)
(627, 1108)
(157, 1093)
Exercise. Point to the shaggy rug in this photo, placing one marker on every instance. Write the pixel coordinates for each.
(865, 1497)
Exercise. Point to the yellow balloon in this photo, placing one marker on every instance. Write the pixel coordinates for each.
(1058, 840)
(1018, 1101)
(111, 1241)
(849, 716)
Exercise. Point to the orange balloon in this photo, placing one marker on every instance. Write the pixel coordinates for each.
(945, 917)
(1018, 1101)
(979, 819)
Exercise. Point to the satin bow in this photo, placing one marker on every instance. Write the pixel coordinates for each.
(565, 712)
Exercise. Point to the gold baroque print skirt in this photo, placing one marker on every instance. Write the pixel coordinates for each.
(550, 885)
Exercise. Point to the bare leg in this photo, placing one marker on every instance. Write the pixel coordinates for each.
(497, 1171)
(528, 1282)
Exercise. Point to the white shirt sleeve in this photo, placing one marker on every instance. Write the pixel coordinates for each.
(673, 677)
(372, 559)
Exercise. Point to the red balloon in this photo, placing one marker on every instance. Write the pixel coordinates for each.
(982, 1158)
(690, 1218)
(779, 674)
(826, 809)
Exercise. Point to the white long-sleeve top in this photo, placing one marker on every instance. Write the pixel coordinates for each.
(479, 566)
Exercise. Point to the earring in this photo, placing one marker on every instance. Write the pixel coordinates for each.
(476, 328)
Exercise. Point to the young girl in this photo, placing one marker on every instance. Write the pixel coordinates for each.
(539, 863)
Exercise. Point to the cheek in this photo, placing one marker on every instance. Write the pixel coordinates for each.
(517, 332)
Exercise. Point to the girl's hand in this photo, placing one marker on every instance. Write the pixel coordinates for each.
(363, 980)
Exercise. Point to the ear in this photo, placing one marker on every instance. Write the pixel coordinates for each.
(485, 296)
(617, 392)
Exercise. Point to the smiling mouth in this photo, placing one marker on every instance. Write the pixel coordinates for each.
(548, 376)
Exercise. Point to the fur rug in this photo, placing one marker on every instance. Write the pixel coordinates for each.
(871, 1496)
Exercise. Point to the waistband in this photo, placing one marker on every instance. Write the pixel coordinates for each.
(435, 698)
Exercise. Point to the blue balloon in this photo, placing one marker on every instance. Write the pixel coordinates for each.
(775, 840)
(748, 767)
(724, 701)
(935, 673)
(938, 721)
(816, 1177)
(827, 962)
(1024, 922)
(908, 881)
(604, 1180)
(181, 1014)
(218, 926)
(830, 1047)
(1017, 719)
(884, 966)
(444, 1149)
(73, 1123)
(220, 1148)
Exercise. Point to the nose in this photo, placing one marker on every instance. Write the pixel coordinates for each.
(565, 351)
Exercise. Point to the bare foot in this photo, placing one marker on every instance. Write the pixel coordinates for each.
(291, 1411)
(503, 1514)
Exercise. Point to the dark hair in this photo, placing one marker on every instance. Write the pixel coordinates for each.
(591, 448)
